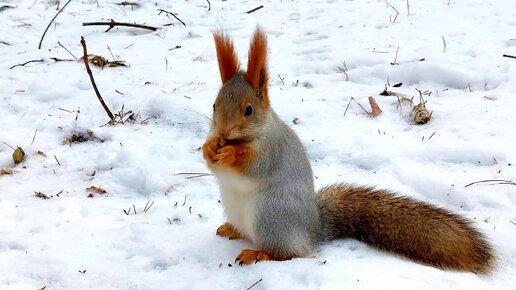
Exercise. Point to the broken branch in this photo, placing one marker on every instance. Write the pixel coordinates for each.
(113, 23)
(86, 63)
(253, 10)
(50, 23)
(167, 12)
(27, 62)
(498, 181)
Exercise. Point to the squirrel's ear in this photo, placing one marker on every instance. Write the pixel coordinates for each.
(226, 55)
(257, 72)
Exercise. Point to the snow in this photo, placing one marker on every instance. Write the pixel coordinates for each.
(71, 241)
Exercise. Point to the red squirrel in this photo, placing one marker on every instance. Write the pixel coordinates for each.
(268, 195)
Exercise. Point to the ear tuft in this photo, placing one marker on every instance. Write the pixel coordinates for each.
(257, 72)
(226, 55)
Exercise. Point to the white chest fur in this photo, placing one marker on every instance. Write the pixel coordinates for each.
(239, 196)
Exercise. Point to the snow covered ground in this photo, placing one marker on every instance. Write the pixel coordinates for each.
(72, 241)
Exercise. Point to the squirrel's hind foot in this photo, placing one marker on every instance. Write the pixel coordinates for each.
(248, 256)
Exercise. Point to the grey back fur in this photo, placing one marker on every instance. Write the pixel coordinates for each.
(287, 219)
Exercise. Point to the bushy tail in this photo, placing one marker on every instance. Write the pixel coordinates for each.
(416, 230)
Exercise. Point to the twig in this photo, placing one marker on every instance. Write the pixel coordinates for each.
(113, 23)
(369, 114)
(194, 174)
(255, 284)
(347, 107)
(167, 12)
(6, 43)
(209, 5)
(281, 79)
(184, 202)
(50, 23)
(65, 110)
(66, 49)
(8, 145)
(145, 209)
(396, 56)
(57, 160)
(344, 70)
(509, 56)
(86, 63)
(109, 48)
(408, 8)
(512, 222)
(397, 12)
(34, 137)
(132, 4)
(444, 43)
(253, 10)
(27, 62)
(500, 181)
(60, 59)
(5, 7)
(199, 175)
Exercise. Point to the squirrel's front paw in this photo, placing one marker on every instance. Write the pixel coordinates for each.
(209, 150)
(228, 230)
(247, 257)
(225, 156)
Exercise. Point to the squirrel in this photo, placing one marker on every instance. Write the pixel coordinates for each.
(267, 188)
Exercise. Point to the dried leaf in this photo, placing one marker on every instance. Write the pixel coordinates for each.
(95, 189)
(6, 171)
(421, 114)
(41, 153)
(375, 109)
(116, 63)
(41, 195)
(101, 61)
(18, 155)
(80, 137)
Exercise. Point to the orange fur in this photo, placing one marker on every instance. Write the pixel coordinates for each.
(236, 156)
(226, 56)
(243, 154)
(248, 256)
(228, 230)
(257, 72)
(209, 149)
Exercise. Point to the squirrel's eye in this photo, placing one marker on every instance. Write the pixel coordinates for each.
(248, 111)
